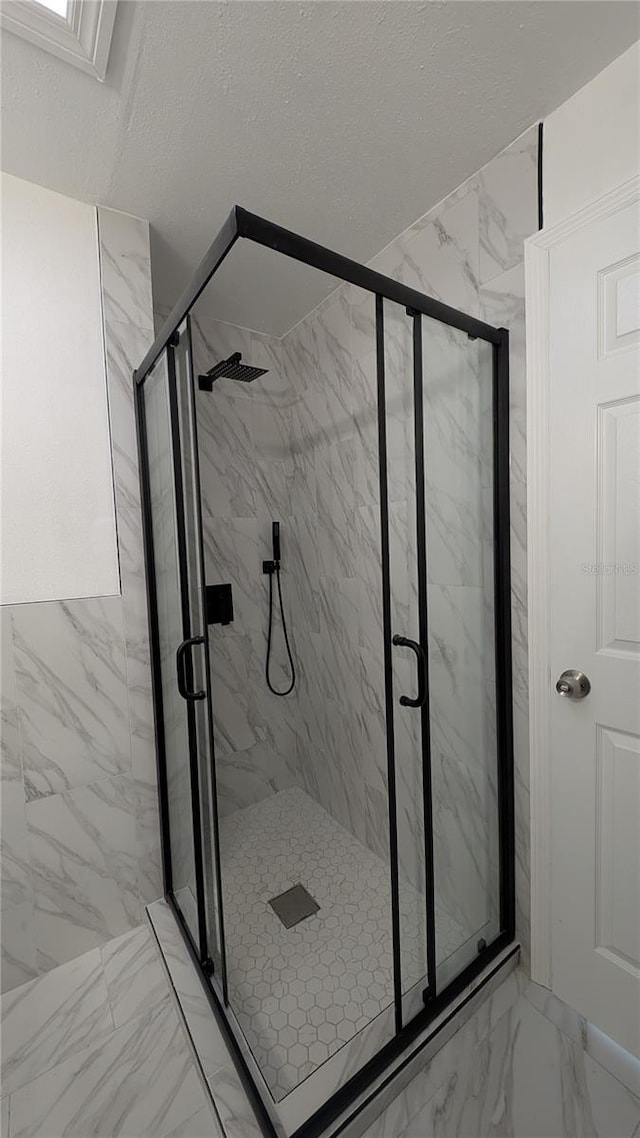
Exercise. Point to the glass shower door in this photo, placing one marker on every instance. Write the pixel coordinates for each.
(438, 388)
(458, 427)
(407, 662)
(168, 453)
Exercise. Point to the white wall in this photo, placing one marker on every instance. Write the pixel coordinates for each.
(78, 750)
(592, 142)
(57, 503)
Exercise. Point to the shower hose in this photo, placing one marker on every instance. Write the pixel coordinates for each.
(276, 573)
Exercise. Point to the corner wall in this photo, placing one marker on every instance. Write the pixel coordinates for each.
(80, 839)
(592, 142)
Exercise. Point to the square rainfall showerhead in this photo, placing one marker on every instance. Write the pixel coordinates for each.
(294, 905)
(230, 369)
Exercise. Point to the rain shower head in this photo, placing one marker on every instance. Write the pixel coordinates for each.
(230, 369)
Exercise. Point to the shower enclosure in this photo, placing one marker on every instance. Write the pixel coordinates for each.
(379, 790)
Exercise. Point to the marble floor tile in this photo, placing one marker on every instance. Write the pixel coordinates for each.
(135, 981)
(140, 1082)
(51, 1018)
(527, 1080)
(608, 1054)
(202, 1124)
(5, 1119)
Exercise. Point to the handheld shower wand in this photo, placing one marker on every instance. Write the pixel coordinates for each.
(272, 568)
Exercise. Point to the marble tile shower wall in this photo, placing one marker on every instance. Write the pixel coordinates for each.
(246, 473)
(80, 841)
(300, 446)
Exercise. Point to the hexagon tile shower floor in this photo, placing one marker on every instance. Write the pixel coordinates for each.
(303, 992)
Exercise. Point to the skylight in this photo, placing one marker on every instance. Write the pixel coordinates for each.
(77, 31)
(57, 6)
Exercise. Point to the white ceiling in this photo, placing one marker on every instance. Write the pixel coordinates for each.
(344, 120)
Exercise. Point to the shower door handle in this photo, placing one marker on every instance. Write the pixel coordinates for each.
(404, 642)
(181, 665)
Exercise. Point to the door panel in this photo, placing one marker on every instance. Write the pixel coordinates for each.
(440, 448)
(458, 425)
(169, 456)
(415, 891)
(175, 713)
(194, 585)
(595, 622)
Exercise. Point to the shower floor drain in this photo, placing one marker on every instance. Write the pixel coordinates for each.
(294, 905)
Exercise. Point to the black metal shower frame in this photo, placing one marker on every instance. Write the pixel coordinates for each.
(242, 224)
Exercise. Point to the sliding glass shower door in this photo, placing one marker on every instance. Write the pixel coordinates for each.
(168, 453)
(436, 399)
(379, 793)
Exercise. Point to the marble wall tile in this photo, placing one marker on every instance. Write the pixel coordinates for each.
(232, 671)
(10, 754)
(125, 266)
(440, 255)
(82, 849)
(15, 878)
(15, 885)
(78, 672)
(43, 1023)
(508, 197)
(301, 571)
(248, 776)
(234, 553)
(368, 576)
(459, 523)
(227, 478)
(466, 816)
(71, 692)
(502, 304)
(143, 769)
(18, 962)
(17, 950)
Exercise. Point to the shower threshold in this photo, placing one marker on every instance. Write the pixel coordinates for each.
(218, 1053)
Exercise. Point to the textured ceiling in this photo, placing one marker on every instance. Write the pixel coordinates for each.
(344, 121)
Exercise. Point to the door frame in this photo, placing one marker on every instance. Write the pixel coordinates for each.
(242, 225)
(538, 250)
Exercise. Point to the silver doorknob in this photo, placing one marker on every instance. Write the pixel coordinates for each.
(573, 684)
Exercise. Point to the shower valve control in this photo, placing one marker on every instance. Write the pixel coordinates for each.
(218, 604)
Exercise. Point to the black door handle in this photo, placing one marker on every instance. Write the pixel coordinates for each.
(181, 665)
(405, 700)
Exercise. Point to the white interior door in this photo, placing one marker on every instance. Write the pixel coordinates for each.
(594, 577)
